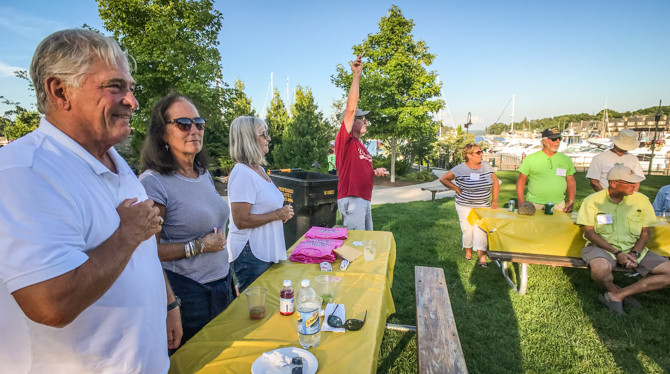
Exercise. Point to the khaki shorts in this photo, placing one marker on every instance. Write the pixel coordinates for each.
(649, 262)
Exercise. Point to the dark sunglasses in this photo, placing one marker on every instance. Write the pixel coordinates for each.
(184, 124)
(478, 153)
(350, 324)
(553, 140)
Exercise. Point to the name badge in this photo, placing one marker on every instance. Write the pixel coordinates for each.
(474, 176)
(604, 219)
(561, 172)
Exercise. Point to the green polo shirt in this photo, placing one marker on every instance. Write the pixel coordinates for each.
(628, 218)
(545, 181)
(331, 162)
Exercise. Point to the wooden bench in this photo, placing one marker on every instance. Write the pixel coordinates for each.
(439, 349)
(525, 259)
(434, 190)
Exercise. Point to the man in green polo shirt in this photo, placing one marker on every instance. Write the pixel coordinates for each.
(549, 174)
(616, 227)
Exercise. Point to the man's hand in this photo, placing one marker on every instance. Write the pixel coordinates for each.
(627, 260)
(494, 204)
(568, 208)
(174, 330)
(380, 172)
(139, 222)
(357, 66)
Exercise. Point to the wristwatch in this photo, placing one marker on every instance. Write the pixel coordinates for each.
(174, 304)
(636, 253)
(616, 254)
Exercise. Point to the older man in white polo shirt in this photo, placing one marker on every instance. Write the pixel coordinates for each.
(624, 141)
(82, 288)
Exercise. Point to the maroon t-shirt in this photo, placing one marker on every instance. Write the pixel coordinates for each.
(354, 166)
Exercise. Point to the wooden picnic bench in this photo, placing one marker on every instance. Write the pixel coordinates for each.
(439, 349)
(525, 259)
(434, 190)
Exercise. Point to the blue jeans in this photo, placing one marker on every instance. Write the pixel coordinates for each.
(200, 303)
(247, 268)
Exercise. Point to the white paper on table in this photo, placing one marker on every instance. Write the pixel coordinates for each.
(339, 312)
(357, 244)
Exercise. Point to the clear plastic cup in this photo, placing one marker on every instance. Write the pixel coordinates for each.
(369, 249)
(326, 287)
(256, 301)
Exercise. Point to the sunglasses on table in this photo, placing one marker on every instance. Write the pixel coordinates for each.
(350, 324)
(184, 123)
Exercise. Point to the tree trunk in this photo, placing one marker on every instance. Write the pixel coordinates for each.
(393, 152)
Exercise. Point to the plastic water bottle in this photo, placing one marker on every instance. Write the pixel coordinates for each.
(309, 324)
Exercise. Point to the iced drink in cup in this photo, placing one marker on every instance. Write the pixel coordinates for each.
(326, 287)
(369, 249)
(256, 301)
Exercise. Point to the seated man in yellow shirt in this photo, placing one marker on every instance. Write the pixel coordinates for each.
(616, 227)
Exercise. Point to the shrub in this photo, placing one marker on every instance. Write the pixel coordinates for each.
(422, 176)
(402, 167)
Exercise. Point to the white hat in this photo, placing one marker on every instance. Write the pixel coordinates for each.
(626, 140)
(624, 173)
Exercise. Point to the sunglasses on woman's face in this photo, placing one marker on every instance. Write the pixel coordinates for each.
(264, 134)
(350, 324)
(184, 124)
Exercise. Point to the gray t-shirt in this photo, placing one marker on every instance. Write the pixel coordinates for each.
(193, 209)
(475, 183)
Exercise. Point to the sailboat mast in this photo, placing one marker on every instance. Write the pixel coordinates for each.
(513, 95)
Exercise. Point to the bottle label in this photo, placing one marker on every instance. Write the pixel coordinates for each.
(286, 305)
(308, 322)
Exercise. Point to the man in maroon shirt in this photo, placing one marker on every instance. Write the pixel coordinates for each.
(354, 163)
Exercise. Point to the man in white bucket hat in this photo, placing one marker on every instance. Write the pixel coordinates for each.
(624, 141)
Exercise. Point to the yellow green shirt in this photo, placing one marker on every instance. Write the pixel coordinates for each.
(546, 176)
(331, 162)
(628, 218)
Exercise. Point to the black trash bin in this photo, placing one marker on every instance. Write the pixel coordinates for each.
(314, 199)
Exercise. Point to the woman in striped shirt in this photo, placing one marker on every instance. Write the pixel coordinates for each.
(473, 181)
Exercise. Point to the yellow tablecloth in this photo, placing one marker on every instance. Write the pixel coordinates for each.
(556, 235)
(232, 342)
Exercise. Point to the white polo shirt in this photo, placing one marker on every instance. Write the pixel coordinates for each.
(58, 202)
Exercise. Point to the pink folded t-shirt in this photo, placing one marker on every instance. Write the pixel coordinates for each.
(314, 251)
(327, 233)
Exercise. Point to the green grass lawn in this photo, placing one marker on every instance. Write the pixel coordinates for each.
(558, 327)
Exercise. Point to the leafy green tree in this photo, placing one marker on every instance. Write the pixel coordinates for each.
(174, 46)
(450, 146)
(306, 136)
(395, 84)
(497, 128)
(24, 123)
(277, 119)
(235, 104)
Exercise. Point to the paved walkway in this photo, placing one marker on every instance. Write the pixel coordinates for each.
(391, 195)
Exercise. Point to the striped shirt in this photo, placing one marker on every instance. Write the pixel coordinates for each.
(475, 183)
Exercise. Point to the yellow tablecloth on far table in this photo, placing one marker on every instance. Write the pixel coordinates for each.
(555, 235)
(232, 341)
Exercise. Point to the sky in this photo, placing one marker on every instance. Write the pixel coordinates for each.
(556, 57)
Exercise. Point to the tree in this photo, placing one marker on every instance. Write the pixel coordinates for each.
(174, 46)
(306, 136)
(236, 104)
(395, 84)
(451, 145)
(277, 120)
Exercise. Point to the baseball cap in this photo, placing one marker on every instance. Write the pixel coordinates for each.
(624, 173)
(359, 113)
(551, 133)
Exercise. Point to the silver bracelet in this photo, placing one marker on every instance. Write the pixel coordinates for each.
(201, 245)
(186, 250)
(191, 245)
